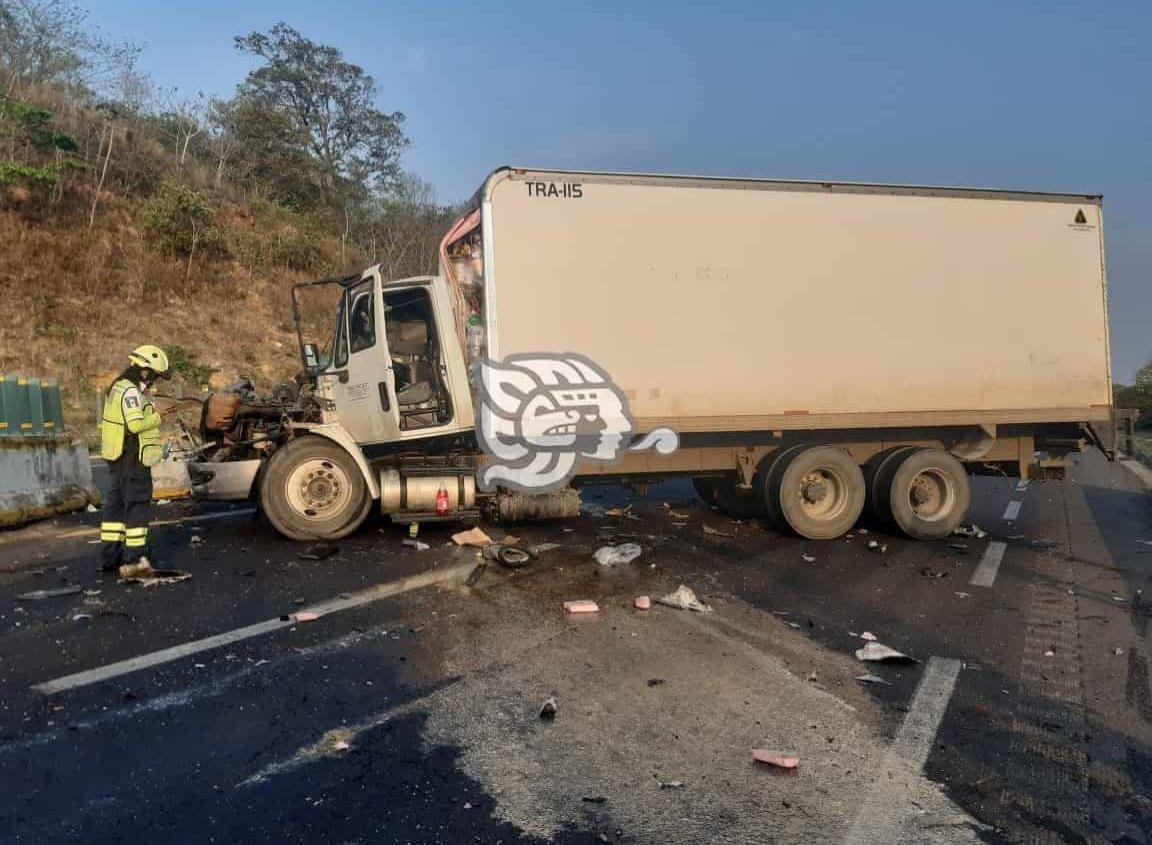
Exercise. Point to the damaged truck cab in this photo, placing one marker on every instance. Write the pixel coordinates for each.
(815, 348)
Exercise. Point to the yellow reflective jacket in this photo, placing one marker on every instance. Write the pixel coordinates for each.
(128, 411)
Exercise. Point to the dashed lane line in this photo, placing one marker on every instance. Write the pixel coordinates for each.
(1022, 484)
(1013, 510)
(392, 588)
(985, 574)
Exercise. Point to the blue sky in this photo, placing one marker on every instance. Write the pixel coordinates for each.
(1037, 95)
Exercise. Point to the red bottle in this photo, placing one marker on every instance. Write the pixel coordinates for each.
(442, 500)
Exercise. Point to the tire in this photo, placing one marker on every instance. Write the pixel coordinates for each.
(313, 490)
(818, 491)
(928, 495)
(878, 478)
(724, 494)
(768, 475)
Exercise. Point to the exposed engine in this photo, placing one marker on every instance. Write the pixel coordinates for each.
(238, 424)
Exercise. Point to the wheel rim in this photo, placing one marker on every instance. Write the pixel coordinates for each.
(318, 489)
(932, 494)
(823, 494)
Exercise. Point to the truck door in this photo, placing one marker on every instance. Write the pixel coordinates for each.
(360, 378)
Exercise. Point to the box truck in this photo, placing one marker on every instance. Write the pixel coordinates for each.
(811, 349)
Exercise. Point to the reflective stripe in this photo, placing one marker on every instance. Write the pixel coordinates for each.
(112, 526)
(137, 532)
(111, 537)
(136, 542)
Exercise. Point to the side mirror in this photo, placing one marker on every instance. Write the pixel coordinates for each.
(311, 358)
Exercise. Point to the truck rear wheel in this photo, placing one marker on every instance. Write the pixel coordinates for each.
(878, 477)
(817, 490)
(928, 494)
(313, 490)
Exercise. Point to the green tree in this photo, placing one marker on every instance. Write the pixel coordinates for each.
(332, 104)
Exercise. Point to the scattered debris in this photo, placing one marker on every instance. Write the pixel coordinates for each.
(877, 547)
(539, 548)
(91, 593)
(341, 746)
(960, 547)
(1119, 598)
(929, 572)
(625, 511)
(873, 679)
(970, 530)
(581, 606)
(593, 799)
(869, 636)
(40, 595)
(195, 541)
(474, 576)
(512, 558)
(92, 508)
(656, 682)
(642, 602)
(612, 555)
(472, 537)
(548, 709)
(961, 595)
(1118, 651)
(80, 617)
(305, 616)
(1050, 653)
(861, 530)
(163, 502)
(319, 551)
(684, 599)
(779, 759)
(675, 514)
(808, 558)
(708, 529)
(875, 652)
(670, 784)
(795, 625)
(156, 577)
(418, 545)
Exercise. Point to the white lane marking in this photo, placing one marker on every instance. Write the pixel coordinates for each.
(1013, 510)
(1022, 484)
(880, 819)
(985, 574)
(167, 655)
(204, 517)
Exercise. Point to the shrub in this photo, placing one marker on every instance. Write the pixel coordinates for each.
(183, 363)
(179, 221)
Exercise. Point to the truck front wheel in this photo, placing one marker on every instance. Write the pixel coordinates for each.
(818, 491)
(313, 490)
(927, 494)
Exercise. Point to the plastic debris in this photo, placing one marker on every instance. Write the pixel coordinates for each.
(319, 551)
(1050, 653)
(874, 652)
(195, 541)
(808, 558)
(684, 599)
(671, 784)
(512, 558)
(472, 537)
(779, 759)
(80, 617)
(873, 679)
(877, 547)
(418, 545)
(540, 548)
(92, 508)
(708, 529)
(156, 577)
(1118, 651)
(642, 602)
(970, 530)
(163, 502)
(305, 616)
(548, 709)
(581, 606)
(613, 555)
(962, 595)
(40, 595)
(869, 636)
(341, 745)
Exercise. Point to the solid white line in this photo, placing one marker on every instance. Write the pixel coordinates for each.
(883, 817)
(167, 655)
(985, 574)
(204, 517)
(1013, 510)
(917, 734)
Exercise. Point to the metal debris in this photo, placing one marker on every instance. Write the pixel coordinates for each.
(874, 652)
(540, 548)
(970, 530)
(418, 545)
(156, 577)
(670, 784)
(319, 551)
(877, 547)
(708, 529)
(868, 636)
(873, 679)
(41, 595)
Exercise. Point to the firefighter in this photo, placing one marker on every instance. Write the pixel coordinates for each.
(130, 443)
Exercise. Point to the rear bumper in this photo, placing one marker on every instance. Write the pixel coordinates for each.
(227, 481)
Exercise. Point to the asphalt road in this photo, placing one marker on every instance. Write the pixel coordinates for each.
(414, 718)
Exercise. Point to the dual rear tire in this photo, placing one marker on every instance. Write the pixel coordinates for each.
(819, 492)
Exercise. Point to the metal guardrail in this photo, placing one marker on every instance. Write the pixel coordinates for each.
(30, 407)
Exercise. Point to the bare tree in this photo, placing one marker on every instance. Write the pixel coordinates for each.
(223, 134)
(182, 119)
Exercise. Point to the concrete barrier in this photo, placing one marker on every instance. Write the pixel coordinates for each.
(42, 477)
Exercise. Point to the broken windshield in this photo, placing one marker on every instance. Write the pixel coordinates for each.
(319, 311)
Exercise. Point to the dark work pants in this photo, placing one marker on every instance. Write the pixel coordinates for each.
(127, 507)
